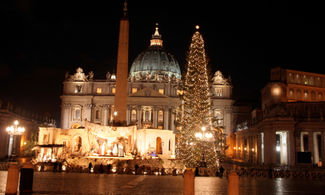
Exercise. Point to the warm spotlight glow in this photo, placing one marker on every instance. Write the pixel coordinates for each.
(16, 122)
(203, 128)
(197, 27)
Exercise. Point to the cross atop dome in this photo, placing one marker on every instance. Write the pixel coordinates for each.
(156, 38)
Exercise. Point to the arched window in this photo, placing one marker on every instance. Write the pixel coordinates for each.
(160, 116)
(97, 114)
(158, 146)
(77, 113)
(305, 95)
(133, 115)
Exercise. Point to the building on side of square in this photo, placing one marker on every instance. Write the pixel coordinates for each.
(31, 121)
(289, 129)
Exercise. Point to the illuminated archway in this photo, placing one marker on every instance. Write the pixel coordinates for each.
(158, 146)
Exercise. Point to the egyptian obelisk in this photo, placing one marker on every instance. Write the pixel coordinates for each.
(120, 102)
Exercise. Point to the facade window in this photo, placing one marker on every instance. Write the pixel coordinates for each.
(179, 92)
(99, 90)
(77, 114)
(160, 116)
(161, 91)
(218, 92)
(113, 90)
(134, 90)
(97, 114)
(133, 115)
(77, 89)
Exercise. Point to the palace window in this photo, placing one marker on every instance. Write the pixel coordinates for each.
(99, 90)
(179, 92)
(320, 96)
(113, 90)
(306, 95)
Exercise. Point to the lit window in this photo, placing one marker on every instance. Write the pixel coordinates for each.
(291, 93)
(161, 91)
(306, 95)
(160, 116)
(99, 90)
(179, 92)
(134, 90)
(77, 89)
(77, 114)
(218, 92)
(133, 115)
(113, 90)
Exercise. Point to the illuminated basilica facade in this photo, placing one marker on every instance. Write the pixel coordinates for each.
(88, 126)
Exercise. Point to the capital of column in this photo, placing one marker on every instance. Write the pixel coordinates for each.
(89, 106)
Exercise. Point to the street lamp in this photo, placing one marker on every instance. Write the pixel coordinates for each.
(203, 136)
(14, 131)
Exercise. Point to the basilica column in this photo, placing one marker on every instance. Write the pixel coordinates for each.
(172, 120)
(155, 117)
(139, 117)
(86, 112)
(166, 115)
(128, 114)
(65, 115)
(105, 114)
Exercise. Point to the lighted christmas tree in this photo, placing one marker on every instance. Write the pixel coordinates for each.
(199, 141)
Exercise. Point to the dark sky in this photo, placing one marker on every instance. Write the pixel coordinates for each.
(41, 40)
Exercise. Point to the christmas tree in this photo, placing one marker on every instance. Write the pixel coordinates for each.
(199, 141)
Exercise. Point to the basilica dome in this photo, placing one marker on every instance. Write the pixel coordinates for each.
(155, 61)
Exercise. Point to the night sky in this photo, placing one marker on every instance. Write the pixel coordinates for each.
(41, 40)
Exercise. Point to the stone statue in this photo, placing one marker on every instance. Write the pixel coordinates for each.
(79, 75)
(91, 75)
(108, 76)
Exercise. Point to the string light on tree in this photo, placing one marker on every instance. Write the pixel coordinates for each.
(197, 134)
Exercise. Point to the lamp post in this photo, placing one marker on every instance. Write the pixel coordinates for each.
(14, 131)
(203, 135)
